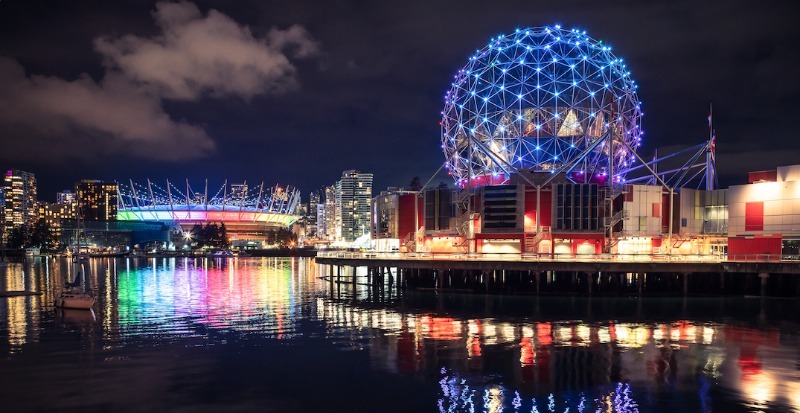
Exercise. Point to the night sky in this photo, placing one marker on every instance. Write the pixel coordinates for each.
(294, 92)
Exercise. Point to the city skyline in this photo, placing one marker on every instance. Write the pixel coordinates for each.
(328, 97)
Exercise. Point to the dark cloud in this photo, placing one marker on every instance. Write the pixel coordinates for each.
(122, 114)
(212, 55)
(60, 118)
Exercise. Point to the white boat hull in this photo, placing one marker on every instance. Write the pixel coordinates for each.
(76, 301)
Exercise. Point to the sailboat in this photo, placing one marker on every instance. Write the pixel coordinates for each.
(75, 294)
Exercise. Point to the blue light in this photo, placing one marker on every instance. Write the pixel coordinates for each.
(586, 91)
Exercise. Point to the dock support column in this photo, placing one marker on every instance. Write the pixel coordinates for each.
(722, 283)
(640, 282)
(763, 276)
(589, 277)
(441, 276)
(685, 283)
(536, 280)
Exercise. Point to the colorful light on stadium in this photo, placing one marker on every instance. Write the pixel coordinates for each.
(539, 99)
(237, 203)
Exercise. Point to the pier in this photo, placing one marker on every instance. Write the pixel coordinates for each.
(548, 274)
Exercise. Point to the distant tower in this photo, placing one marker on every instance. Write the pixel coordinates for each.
(353, 195)
(98, 200)
(19, 193)
(238, 194)
(311, 220)
(329, 213)
(65, 197)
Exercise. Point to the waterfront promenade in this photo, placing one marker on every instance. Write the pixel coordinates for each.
(557, 273)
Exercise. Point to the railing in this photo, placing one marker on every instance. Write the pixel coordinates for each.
(765, 258)
(533, 257)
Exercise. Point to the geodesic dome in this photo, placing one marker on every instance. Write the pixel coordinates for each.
(537, 100)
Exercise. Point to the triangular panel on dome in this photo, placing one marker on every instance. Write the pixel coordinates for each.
(597, 127)
(531, 117)
(570, 126)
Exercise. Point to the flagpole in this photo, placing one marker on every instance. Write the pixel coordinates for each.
(709, 161)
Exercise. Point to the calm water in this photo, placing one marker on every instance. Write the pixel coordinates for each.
(273, 335)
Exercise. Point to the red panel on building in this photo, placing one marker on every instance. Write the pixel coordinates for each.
(762, 176)
(739, 248)
(656, 210)
(546, 202)
(405, 214)
(754, 216)
(530, 204)
(665, 215)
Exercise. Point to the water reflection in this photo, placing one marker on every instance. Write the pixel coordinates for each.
(473, 353)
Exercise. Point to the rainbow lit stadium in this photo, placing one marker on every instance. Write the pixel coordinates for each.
(247, 212)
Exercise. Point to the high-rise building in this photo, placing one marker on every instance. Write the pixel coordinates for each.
(311, 219)
(322, 231)
(353, 195)
(65, 197)
(54, 214)
(19, 193)
(326, 215)
(98, 200)
(238, 194)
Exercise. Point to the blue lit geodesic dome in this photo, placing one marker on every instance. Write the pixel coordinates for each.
(536, 100)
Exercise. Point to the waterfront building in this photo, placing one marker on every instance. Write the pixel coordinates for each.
(20, 198)
(98, 199)
(353, 194)
(393, 219)
(764, 215)
(54, 216)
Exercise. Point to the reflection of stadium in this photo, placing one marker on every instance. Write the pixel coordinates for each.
(247, 212)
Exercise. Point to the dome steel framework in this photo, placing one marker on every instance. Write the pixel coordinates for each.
(542, 99)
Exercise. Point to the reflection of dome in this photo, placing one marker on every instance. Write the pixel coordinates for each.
(534, 100)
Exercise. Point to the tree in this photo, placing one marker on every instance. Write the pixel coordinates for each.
(223, 236)
(415, 185)
(210, 235)
(198, 235)
(42, 235)
(19, 237)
